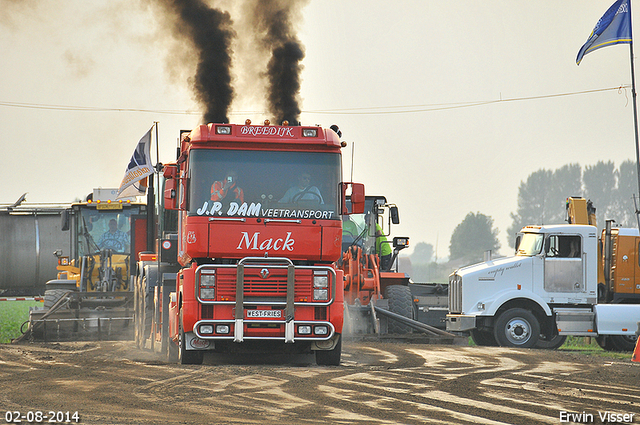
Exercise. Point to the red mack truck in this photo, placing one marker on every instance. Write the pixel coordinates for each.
(249, 267)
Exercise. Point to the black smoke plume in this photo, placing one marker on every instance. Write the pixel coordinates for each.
(275, 21)
(210, 30)
(211, 33)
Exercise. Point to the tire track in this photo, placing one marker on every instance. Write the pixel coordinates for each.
(377, 383)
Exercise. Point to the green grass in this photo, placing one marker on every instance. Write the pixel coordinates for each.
(589, 346)
(12, 315)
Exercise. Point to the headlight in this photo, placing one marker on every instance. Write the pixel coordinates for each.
(222, 329)
(208, 279)
(320, 330)
(320, 281)
(309, 132)
(206, 329)
(304, 329)
(223, 129)
(320, 286)
(321, 294)
(207, 293)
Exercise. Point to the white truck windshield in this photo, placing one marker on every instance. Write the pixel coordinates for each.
(530, 244)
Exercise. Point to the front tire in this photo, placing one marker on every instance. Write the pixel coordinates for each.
(330, 357)
(518, 328)
(187, 356)
(400, 302)
(51, 296)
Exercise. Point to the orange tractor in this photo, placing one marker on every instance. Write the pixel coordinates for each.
(379, 299)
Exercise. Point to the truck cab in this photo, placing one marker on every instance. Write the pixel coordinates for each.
(259, 230)
(549, 288)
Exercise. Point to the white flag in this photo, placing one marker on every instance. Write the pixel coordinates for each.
(134, 182)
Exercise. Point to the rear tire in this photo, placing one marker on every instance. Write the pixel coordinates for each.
(518, 328)
(145, 317)
(330, 357)
(400, 302)
(138, 303)
(617, 342)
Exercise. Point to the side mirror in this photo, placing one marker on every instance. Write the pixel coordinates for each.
(170, 187)
(400, 242)
(395, 217)
(517, 244)
(357, 198)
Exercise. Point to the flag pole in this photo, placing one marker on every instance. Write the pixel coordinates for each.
(151, 237)
(635, 109)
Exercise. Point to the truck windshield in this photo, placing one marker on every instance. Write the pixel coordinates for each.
(104, 229)
(268, 184)
(531, 244)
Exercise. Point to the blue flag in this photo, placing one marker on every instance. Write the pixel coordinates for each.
(613, 28)
(134, 182)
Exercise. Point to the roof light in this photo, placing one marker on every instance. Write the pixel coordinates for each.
(267, 122)
(309, 132)
(247, 122)
(285, 122)
(223, 129)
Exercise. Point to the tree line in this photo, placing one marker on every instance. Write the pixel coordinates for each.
(541, 200)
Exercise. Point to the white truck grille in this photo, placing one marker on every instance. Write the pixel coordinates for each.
(455, 294)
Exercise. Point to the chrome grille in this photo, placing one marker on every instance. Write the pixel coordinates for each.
(455, 294)
(275, 285)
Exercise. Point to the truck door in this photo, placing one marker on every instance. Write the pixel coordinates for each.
(563, 265)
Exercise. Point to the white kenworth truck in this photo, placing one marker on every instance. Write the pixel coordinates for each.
(546, 291)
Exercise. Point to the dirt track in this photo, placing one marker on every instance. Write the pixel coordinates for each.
(113, 383)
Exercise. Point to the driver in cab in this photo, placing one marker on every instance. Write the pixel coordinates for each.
(302, 191)
(114, 238)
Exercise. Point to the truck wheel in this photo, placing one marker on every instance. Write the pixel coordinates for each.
(517, 327)
(187, 356)
(137, 301)
(51, 296)
(622, 342)
(551, 344)
(145, 318)
(330, 357)
(400, 302)
(483, 338)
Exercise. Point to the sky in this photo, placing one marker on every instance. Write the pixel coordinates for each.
(446, 107)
